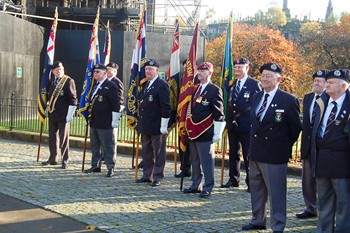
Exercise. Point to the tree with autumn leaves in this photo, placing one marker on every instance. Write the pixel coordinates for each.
(261, 45)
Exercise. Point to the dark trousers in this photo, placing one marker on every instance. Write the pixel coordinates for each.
(235, 139)
(58, 139)
(308, 183)
(153, 154)
(102, 140)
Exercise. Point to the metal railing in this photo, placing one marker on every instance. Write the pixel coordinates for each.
(21, 114)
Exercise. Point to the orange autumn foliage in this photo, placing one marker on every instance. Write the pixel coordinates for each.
(261, 45)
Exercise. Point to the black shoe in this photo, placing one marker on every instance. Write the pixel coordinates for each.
(191, 190)
(49, 163)
(230, 184)
(142, 180)
(64, 166)
(204, 194)
(92, 169)
(110, 172)
(155, 183)
(251, 227)
(185, 174)
(305, 214)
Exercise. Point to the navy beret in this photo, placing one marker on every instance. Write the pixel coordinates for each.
(320, 74)
(152, 62)
(113, 65)
(100, 67)
(56, 64)
(343, 74)
(241, 61)
(271, 67)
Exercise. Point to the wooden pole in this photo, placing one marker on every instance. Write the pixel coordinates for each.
(85, 143)
(137, 157)
(40, 141)
(223, 160)
(133, 150)
(175, 152)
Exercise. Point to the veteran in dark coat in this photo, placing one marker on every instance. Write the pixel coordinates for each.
(275, 128)
(330, 153)
(154, 115)
(238, 120)
(308, 181)
(104, 109)
(62, 98)
(204, 125)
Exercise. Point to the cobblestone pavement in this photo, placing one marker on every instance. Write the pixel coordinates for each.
(118, 204)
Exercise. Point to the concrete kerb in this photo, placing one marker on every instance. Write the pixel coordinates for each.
(123, 148)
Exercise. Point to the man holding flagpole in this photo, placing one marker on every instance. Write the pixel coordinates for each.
(61, 108)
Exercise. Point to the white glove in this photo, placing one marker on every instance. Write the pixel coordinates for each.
(121, 108)
(70, 114)
(219, 127)
(164, 125)
(115, 119)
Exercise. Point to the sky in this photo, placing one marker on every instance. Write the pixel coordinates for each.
(315, 9)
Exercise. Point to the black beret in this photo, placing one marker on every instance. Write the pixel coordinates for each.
(241, 61)
(343, 74)
(184, 62)
(271, 67)
(113, 65)
(205, 66)
(56, 64)
(152, 62)
(320, 74)
(100, 67)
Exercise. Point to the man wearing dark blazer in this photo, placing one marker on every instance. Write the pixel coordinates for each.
(275, 127)
(62, 98)
(104, 116)
(330, 153)
(238, 120)
(308, 181)
(154, 115)
(204, 125)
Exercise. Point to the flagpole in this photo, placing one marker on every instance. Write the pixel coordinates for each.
(85, 143)
(40, 140)
(223, 160)
(133, 150)
(137, 157)
(175, 152)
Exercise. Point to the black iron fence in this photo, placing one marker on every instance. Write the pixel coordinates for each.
(21, 114)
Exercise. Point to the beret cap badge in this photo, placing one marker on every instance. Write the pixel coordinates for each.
(319, 72)
(273, 66)
(337, 73)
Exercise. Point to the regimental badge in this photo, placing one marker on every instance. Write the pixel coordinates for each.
(150, 98)
(61, 93)
(278, 116)
(337, 73)
(273, 66)
(337, 122)
(100, 98)
(319, 73)
(205, 102)
(246, 95)
(199, 99)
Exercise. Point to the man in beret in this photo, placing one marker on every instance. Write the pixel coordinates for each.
(238, 120)
(308, 181)
(330, 153)
(62, 98)
(104, 116)
(154, 115)
(204, 125)
(275, 128)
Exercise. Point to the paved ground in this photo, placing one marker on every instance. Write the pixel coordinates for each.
(118, 204)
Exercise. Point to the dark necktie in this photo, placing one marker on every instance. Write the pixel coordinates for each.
(262, 108)
(95, 88)
(55, 82)
(236, 90)
(314, 110)
(196, 96)
(331, 118)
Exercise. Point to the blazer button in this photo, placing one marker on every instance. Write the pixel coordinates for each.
(234, 104)
(270, 128)
(234, 111)
(308, 137)
(255, 135)
(266, 138)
